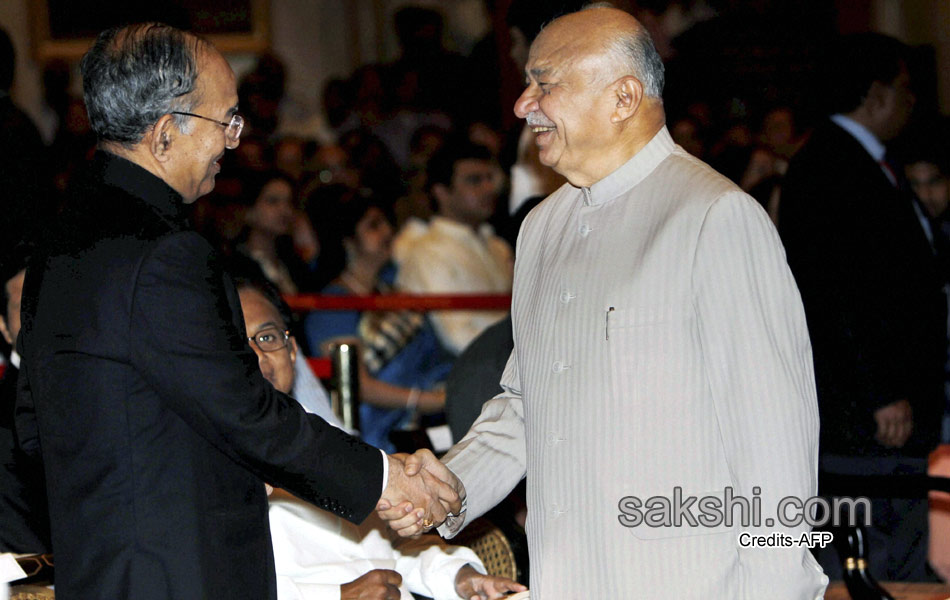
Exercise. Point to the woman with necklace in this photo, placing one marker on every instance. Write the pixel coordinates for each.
(398, 371)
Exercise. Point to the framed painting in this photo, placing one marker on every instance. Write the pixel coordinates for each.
(66, 28)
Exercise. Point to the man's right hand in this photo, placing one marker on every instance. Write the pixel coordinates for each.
(407, 518)
(378, 584)
(415, 498)
(895, 422)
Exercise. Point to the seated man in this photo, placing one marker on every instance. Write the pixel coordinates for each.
(460, 253)
(316, 552)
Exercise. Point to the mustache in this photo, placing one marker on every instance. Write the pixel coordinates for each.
(536, 119)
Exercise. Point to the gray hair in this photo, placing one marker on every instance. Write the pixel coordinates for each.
(134, 75)
(635, 53)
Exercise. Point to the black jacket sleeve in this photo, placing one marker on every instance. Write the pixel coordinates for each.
(188, 343)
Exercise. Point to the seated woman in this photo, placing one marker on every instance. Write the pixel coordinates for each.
(266, 244)
(403, 360)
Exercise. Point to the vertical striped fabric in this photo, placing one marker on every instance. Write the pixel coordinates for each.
(660, 342)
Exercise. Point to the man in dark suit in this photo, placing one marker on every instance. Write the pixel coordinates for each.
(24, 525)
(156, 427)
(26, 195)
(872, 293)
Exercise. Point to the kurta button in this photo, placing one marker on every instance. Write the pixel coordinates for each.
(566, 296)
(557, 367)
(585, 229)
(553, 438)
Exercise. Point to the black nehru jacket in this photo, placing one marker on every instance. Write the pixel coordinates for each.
(24, 526)
(156, 426)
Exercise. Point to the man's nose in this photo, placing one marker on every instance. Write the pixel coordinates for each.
(527, 102)
(261, 357)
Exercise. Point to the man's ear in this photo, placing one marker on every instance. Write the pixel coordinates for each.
(161, 137)
(292, 345)
(629, 93)
(4, 331)
(876, 96)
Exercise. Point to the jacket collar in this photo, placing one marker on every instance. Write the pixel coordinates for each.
(118, 172)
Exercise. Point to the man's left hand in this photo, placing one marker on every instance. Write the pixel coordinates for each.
(895, 422)
(472, 585)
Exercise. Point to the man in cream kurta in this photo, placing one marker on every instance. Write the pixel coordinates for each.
(456, 258)
(660, 343)
(459, 253)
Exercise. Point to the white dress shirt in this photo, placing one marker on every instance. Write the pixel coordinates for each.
(310, 394)
(315, 552)
(453, 258)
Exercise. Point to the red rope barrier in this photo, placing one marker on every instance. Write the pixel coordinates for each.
(307, 302)
(321, 367)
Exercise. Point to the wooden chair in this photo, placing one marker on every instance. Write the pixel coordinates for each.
(491, 546)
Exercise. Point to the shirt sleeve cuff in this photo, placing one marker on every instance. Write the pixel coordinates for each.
(385, 473)
(453, 523)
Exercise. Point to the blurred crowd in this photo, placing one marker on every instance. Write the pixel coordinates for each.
(416, 181)
(358, 208)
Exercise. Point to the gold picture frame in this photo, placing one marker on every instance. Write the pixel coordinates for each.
(246, 29)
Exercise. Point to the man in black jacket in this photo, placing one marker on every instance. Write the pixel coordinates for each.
(24, 526)
(156, 427)
(858, 247)
(26, 195)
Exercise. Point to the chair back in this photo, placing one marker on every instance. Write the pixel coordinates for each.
(491, 546)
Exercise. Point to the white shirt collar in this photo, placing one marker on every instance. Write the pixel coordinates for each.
(460, 230)
(868, 140)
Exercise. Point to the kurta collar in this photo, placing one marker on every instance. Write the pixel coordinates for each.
(633, 171)
(118, 172)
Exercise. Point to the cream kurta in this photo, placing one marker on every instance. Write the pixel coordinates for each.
(453, 258)
(659, 342)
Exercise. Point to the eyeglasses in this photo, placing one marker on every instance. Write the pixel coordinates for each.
(232, 129)
(270, 339)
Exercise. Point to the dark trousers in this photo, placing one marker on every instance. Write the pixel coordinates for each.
(897, 539)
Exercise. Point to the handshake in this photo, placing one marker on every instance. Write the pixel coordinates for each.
(420, 494)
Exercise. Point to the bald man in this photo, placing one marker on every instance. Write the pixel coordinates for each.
(661, 353)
